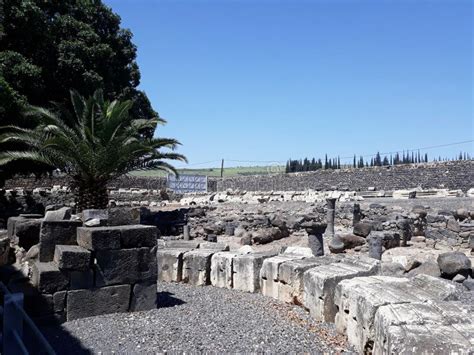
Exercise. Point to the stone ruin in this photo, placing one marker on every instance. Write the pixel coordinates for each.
(393, 275)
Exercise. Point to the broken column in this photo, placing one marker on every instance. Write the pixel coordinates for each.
(315, 236)
(356, 214)
(375, 241)
(335, 242)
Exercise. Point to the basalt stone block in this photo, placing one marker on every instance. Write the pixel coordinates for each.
(81, 279)
(27, 232)
(121, 216)
(72, 257)
(62, 214)
(59, 301)
(99, 238)
(197, 267)
(48, 278)
(54, 233)
(170, 264)
(246, 270)
(362, 229)
(137, 236)
(125, 266)
(453, 263)
(144, 297)
(94, 302)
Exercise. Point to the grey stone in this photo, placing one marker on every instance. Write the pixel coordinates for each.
(349, 241)
(453, 225)
(136, 236)
(72, 257)
(99, 238)
(125, 266)
(59, 301)
(430, 268)
(95, 214)
(214, 246)
(362, 229)
(123, 216)
(54, 233)
(170, 264)
(182, 244)
(246, 269)
(452, 263)
(471, 241)
(81, 279)
(375, 242)
(222, 270)
(469, 284)
(27, 232)
(48, 278)
(197, 267)
(95, 222)
(11, 225)
(94, 302)
(61, 214)
(4, 250)
(391, 269)
(459, 278)
(144, 297)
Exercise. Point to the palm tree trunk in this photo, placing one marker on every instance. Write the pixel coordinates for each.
(92, 195)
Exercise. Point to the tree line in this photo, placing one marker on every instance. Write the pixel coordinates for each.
(307, 164)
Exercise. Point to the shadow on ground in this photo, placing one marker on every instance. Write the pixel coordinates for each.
(165, 299)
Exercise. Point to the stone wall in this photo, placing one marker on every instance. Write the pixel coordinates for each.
(450, 175)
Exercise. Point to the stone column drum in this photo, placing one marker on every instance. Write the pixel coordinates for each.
(315, 236)
(334, 241)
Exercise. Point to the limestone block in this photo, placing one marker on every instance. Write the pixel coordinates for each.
(48, 278)
(72, 257)
(222, 269)
(269, 273)
(94, 302)
(136, 236)
(434, 327)
(144, 297)
(197, 267)
(301, 251)
(99, 238)
(359, 299)
(290, 288)
(319, 283)
(54, 233)
(182, 244)
(170, 264)
(214, 246)
(246, 270)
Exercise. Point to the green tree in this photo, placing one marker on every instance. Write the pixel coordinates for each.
(48, 47)
(96, 142)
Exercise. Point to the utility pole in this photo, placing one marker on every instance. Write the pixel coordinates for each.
(222, 169)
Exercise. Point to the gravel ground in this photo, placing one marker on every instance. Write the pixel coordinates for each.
(200, 319)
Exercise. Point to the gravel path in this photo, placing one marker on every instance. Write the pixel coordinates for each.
(200, 319)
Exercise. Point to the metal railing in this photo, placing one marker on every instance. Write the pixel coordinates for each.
(16, 324)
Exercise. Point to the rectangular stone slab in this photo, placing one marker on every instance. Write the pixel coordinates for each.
(222, 269)
(246, 269)
(181, 244)
(72, 257)
(170, 264)
(269, 274)
(48, 278)
(393, 321)
(99, 238)
(137, 236)
(197, 267)
(319, 283)
(359, 299)
(94, 302)
(54, 233)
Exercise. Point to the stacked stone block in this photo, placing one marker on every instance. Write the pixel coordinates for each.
(94, 271)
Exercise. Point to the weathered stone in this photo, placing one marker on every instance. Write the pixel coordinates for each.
(94, 302)
(54, 233)
(375, 242)
(214, 246)
(11, 225)
(62, 214)
(99, 238)
(59, 301)
(471, 242)
(81, 279)
(144, 297)
(269, 274)
(469, 284)
(453, 225)
(125, 266)
(4, 250)
(72, 257)
(423, 328)
(121, 216)
(136, 236)
(410, 257)
(320, 283)
(197, 267)
(362, 229)
(48, 278)
(349, 241)
(95, 214)
(452, 263)
(430, 268)
(182, 244)
(246, 270)
(170, 264)
(222, 270)
(358, 300)
(391, 269)
(27, 232)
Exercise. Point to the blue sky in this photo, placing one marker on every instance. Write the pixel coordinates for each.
(266, 80)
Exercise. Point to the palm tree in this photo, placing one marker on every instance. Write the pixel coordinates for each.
(93, 144)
